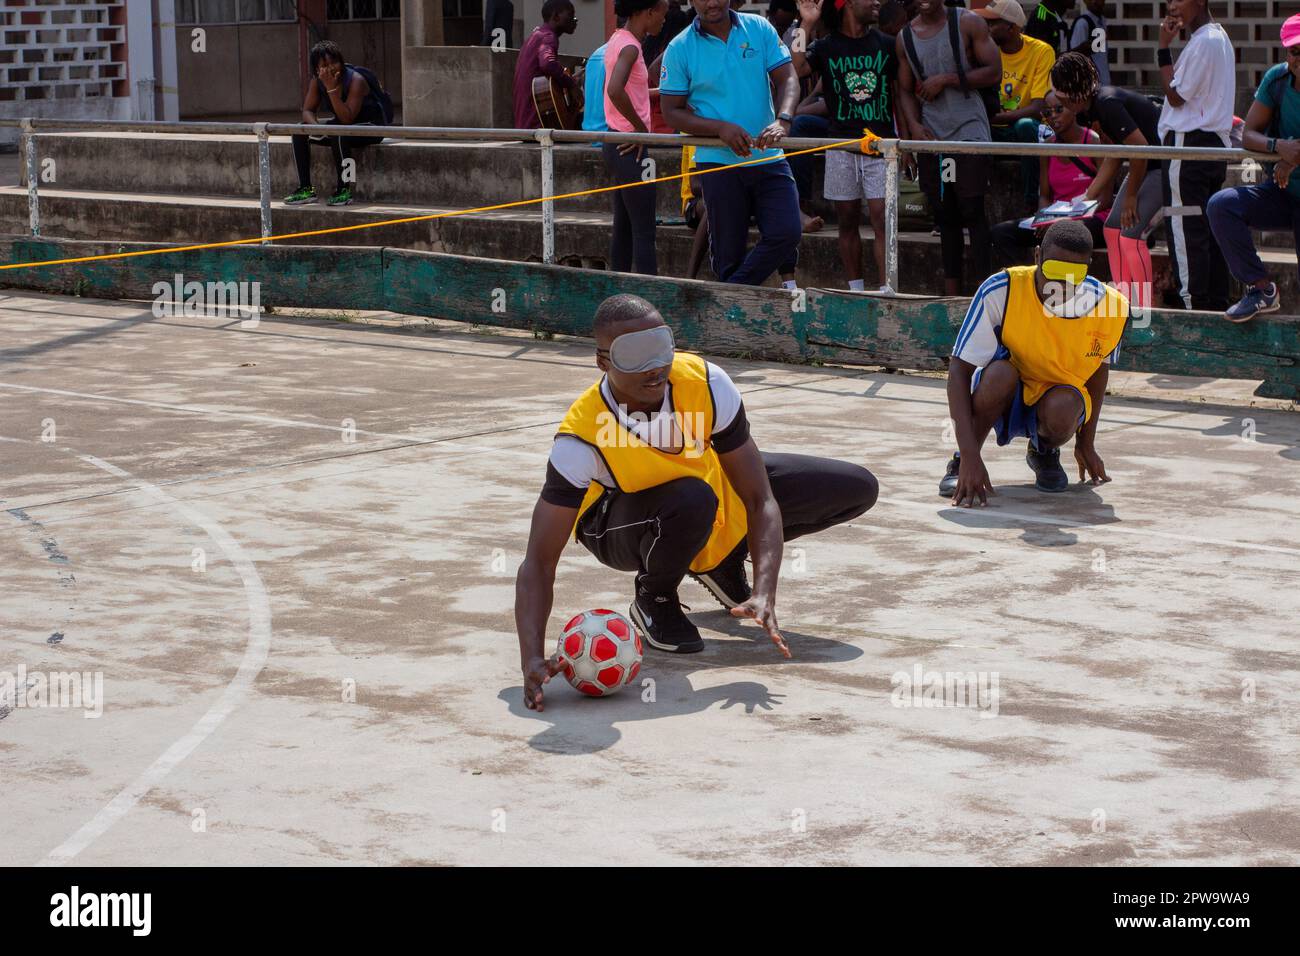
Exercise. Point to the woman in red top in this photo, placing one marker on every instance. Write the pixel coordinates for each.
(1060, 178)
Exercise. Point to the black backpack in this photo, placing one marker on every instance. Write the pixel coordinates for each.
(382, 99)
(987, 94)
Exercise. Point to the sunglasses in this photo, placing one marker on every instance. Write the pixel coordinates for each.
(1293, 51)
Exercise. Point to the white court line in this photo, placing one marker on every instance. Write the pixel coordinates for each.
(480, 449)
(263, 419)
(255, 654)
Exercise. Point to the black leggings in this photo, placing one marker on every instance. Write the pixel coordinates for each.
(342, 146)
(633, 238)
(1015, 246)
(658, 532)
(955, 213)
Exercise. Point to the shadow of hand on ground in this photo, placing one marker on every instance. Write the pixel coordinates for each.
(757, 647)
(580, 724)
(1043, 518)
(577, 724)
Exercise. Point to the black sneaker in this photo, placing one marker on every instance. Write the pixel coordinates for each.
(948, 484)
(661, 622)
(1046, 465)
(727, 582)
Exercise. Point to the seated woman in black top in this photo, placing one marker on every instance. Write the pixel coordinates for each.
(1120, 116)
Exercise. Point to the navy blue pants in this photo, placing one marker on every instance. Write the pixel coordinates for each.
(1234, 212)
(732, 198)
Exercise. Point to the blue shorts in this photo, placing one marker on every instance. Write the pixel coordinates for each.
(1020, 420)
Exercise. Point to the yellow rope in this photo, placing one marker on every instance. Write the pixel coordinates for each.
(865, 143)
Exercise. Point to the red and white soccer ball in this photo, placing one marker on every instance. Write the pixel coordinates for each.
(601, 651)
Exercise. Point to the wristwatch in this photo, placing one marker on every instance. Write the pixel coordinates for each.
(1272, 144)
(786, 117)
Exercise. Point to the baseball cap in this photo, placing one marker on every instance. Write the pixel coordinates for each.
(1009, 10)
(1291, 31)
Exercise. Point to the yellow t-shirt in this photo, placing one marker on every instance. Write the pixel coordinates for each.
(688, 164)
(1025, 75)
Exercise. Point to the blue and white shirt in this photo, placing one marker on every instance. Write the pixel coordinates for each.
(979, 341)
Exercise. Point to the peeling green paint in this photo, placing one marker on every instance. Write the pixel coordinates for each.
(716, 318)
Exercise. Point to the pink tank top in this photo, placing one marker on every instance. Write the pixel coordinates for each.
(1066, 180)
(638, 83)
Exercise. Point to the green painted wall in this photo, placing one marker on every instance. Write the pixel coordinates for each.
(711, 317)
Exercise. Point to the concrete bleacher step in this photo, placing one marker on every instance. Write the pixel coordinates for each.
(408, 173)
(446, 174)
(582, 237)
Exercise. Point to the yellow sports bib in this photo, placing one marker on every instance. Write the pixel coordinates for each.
(1048, 350)
(636, 465)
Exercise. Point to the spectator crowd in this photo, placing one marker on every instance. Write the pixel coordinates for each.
(930, 70)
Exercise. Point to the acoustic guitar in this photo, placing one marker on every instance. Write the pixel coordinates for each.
(557, 107)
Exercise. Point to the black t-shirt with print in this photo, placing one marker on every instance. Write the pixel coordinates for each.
(859, 77)
(1047, 25)
(1118, 112)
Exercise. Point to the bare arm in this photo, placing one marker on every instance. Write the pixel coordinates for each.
(748, 476)
(617, 88)
(534, 594)
(973, 478)
(1137, 170)
(786, 83)
(984, 52)
(1085, 450)
(1097, 392)
(909, 105)
(1256, 135)
(1169, 28)
(810, 12)
(311, 102)
(1103, 184)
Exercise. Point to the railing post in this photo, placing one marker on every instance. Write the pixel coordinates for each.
(889, 148)
(264, 177)
(33, 198)
(548, 189)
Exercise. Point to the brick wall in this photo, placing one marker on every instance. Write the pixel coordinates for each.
(62, 50)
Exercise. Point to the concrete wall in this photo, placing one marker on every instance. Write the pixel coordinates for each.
(244, 69)
(252, 69)
(460, 86)
(591, 25)
(376, 44)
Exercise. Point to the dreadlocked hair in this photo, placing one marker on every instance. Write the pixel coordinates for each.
(1075, 76)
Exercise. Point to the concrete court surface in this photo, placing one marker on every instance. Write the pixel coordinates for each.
(201, 531)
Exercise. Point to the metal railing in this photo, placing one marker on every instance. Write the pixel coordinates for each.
(891, 150)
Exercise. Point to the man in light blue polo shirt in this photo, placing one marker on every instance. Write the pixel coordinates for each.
(715, 82)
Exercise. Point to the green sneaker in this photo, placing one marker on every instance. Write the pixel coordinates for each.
(341, 198)
(302, 195)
